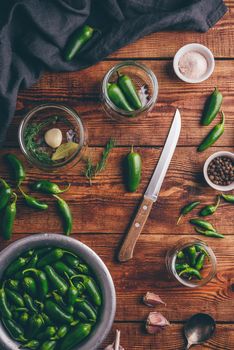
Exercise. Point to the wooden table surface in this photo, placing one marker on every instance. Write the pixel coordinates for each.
(102, 212)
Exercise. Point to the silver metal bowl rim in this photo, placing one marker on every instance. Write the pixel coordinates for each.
(101, 272)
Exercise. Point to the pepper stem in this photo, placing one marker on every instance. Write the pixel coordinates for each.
(66, 188)
(132, 149)
(179, 218)
(223, 117)
(218, 201)
(15, 198)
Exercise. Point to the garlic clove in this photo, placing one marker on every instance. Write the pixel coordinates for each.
(53, 137)
(156, 322)
(152, 299)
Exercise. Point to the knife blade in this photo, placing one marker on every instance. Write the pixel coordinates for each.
(152, 192)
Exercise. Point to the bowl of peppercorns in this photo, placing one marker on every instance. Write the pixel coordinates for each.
(219, 171)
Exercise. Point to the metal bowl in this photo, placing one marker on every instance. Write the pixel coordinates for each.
(100, 270)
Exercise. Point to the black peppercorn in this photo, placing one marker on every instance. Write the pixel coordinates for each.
(221, 171)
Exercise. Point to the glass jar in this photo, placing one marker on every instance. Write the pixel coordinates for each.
(146, 85)
(207, 273)
(71, 126)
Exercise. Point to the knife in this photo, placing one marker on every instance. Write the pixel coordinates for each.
(152, 192)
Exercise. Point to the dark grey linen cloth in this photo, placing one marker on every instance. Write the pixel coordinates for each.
(33, 34)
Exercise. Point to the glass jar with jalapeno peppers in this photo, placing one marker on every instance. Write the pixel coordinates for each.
(129, 91)
(191, 262)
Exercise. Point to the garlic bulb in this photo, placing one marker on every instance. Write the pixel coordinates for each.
(152, 299)
(53, 137)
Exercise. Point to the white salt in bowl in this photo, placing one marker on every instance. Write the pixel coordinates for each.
(204, 51)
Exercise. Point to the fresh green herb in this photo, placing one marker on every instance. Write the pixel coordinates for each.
(30, 134)
(92, 170)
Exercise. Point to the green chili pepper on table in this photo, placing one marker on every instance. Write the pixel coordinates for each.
(48, 187)
(52, 256)
(200, 261)
(228, 197)
(41, 280)
(5, 193)
(33, 202)
(213, 106)
(129, 89)
(117, 97)
(8, 219)
(14, 297)
(209, 233)
(210, 209)
(56, 280)
(213, 135)
(191, 272)
(75, 336)
(17, 167)
(191, 253)
(133, 171)
(187, 209)
(15, 330)
(57, 314)
(4, 307)
(202, 224)
(77, 41)
(66, 215)
(91, 288)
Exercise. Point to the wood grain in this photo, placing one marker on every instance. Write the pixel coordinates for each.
(69, 88)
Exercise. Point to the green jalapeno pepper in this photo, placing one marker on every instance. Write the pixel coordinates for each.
(31, 264)
(42, 251)
(48, 187)
(213, 135)
(33, 202)
(56, 280)
(13, 284)
(201, 249)
(62, 331)
(210, 209)
(180, 255)
(41, 280)
(208, 233)
(117, 97)
(62, 268)
(191, 254)
(129, 89)
(202, 224)
(181, 267)
(15, 266)
(5, 193)
(73, 261)
(66, 215)
(30, 303)
(72, 292)
(15, 330)
(82, 316)
(78, 39)
(8, 219)
(24, 318)
(48, 345)
(133, 171)
(75, 336)
(4, 307)
(36, 322)
(187, 209)
(30, 287)
(17, 167)
(59, 300)
(228, 197)
(212, 107)
(57, 313)
(14, 297)
(53, 256)
(47, 321)
(32, 344)
(191, 272)
(200, 261)
(85, 307)
(47, 333)
(91, 288)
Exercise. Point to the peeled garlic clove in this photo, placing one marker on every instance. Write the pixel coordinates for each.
(152, 299)
(53, 137)
(156, 322)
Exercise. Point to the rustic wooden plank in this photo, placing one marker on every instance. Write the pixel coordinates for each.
(147, 272)
(107, 207)
(133, 337)
(220, 40)
(69, 88)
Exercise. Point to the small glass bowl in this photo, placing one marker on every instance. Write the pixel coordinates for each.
(69, 120)
(207, 273)
(146, 84)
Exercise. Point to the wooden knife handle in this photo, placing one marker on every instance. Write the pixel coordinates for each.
(126, 251)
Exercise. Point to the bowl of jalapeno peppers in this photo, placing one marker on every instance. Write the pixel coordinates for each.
(191, 262)
(55, 294)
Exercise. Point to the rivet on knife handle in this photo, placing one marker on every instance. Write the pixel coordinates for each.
(126, 251)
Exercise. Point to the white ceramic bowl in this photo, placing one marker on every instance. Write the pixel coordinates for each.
(100, 270)
(207, 162)
(203, 50)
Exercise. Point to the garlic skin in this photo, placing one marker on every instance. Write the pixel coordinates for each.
(152, 299)
(53, 137)
(156, 322)
(116, 345)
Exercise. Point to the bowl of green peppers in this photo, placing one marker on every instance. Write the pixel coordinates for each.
(55, 294)
(191, 262)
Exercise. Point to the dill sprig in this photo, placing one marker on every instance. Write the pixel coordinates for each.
(92, 170)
